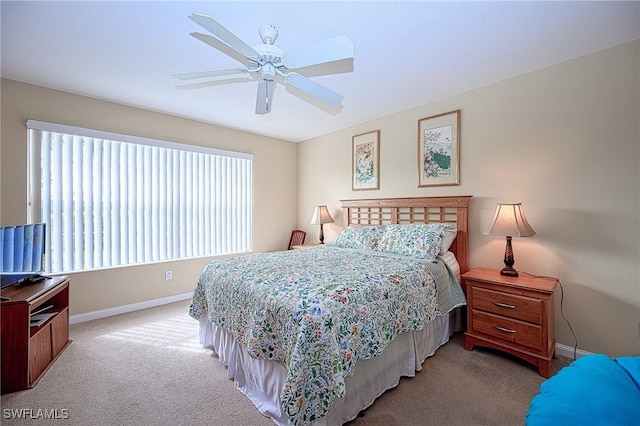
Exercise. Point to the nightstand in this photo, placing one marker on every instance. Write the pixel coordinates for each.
(511, 314)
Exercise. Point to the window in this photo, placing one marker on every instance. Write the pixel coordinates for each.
(113, 200)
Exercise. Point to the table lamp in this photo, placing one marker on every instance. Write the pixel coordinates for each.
(509, 221)
(320, 216)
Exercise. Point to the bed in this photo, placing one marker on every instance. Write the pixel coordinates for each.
(314, 336)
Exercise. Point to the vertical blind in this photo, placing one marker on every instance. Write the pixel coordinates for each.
(112, 200)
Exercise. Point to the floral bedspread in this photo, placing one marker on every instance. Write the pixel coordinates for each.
(319, 311)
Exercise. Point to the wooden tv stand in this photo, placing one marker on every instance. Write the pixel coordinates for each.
(27, 352)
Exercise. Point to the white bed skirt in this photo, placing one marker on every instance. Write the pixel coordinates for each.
(262, 380)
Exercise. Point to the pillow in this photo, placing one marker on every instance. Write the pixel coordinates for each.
(419, 240)
(449, 235)
(359, 237)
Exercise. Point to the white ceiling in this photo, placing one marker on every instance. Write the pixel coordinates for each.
(406, 53)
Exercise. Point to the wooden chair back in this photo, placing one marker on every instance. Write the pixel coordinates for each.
(297, 238)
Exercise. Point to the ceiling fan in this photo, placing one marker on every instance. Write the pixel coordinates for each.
(267, 62)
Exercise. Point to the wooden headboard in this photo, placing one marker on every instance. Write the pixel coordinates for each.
(380, 211)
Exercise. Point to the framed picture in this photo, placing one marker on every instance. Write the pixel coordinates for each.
(365, 162)
(439, 150)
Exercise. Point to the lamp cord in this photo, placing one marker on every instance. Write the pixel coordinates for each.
(575, 346)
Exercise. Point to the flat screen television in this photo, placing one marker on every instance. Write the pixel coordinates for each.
(22, 251)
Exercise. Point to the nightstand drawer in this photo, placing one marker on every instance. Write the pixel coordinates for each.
(510, 305)
(518, 332)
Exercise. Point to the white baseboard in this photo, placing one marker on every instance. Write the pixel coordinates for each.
(103, 313)
(567, 351)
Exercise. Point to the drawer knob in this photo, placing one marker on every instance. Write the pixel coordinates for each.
(504, 305)
(506, 330)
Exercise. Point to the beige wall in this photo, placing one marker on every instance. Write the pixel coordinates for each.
(274, 188)
(565, 142)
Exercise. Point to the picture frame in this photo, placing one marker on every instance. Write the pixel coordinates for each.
(439, 150)
(365, 161)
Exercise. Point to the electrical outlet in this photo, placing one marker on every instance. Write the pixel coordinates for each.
(168, 275)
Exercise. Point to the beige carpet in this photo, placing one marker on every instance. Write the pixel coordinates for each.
(147, 368)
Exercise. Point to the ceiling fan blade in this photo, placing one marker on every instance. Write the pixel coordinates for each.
(221, 46)
(213, 73)
(265, 96)
(224, 35)
(314, 89)
(212, 83)
(328, 50)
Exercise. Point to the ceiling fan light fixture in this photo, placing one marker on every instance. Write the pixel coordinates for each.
(268, 71)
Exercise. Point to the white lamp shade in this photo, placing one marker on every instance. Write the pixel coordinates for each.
(509, 220)
(321, 215)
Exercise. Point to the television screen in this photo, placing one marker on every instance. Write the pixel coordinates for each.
(21, 252)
